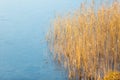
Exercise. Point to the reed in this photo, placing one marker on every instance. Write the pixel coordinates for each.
(87, 42)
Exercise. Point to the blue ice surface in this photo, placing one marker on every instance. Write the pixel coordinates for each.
(23, 50)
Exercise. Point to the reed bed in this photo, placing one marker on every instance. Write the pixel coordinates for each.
(87, 42)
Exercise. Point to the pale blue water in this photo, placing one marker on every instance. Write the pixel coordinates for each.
(23, 50)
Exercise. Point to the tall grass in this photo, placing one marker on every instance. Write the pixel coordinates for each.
(87, 42)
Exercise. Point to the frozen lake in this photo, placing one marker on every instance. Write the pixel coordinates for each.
(23, 50)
